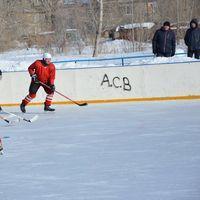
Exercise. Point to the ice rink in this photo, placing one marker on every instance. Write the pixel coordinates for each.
(124, 151)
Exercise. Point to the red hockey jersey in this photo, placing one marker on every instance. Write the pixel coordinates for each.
(45, 73)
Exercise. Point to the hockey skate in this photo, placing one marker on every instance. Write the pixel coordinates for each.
(48, 108)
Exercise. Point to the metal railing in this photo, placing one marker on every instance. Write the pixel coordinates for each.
(119, 61)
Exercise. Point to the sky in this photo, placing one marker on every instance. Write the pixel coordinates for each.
(140, 151)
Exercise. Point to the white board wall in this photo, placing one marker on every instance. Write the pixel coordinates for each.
(110, 84)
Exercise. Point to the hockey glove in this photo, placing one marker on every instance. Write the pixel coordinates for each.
(34, 78)
(53, 88)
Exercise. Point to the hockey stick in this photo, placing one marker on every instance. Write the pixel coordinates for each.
(79, 104)
(10, 121)
(19, 117)
(6, 120)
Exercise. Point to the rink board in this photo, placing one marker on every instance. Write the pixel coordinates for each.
(111, 84)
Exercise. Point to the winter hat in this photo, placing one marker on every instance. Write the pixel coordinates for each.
(47, 55)
(195, 21)
(166, 23)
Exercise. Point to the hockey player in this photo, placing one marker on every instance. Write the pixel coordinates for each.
(1, 147)
(41, 71)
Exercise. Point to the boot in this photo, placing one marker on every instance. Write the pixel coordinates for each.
(22, 108)
(48, 108)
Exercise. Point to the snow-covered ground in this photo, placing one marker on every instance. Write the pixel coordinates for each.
(140, 151)
(20, 60)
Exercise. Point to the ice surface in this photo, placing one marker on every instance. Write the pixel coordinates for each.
(132, 151)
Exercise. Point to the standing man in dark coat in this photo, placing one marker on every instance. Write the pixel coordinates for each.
(164, 41)
(192, 39)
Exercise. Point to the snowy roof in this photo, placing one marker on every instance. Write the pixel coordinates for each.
(66, 2)
(46, 33)
(70, 29)
(147, 25)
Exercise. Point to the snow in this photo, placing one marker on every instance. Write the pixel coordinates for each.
(140, 151)
(20, 60)
(147, 25)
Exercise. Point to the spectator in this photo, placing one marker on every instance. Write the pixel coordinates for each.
(192, 39)
(164, 41)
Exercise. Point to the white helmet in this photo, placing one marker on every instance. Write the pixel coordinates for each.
(47, 55)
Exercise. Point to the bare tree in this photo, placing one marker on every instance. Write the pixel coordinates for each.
(11, 26)
(28, 18)
(50, 7)
(99, 30)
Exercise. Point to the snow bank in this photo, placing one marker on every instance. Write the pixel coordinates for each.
(19, 60)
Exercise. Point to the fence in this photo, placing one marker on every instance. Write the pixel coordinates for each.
(118, 61)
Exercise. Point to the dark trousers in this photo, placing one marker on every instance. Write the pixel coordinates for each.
(35, 86)
(163, 54)
(32, 94)
(196, 53)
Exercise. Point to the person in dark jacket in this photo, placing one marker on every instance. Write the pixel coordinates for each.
(164, 41)
(192, 39)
